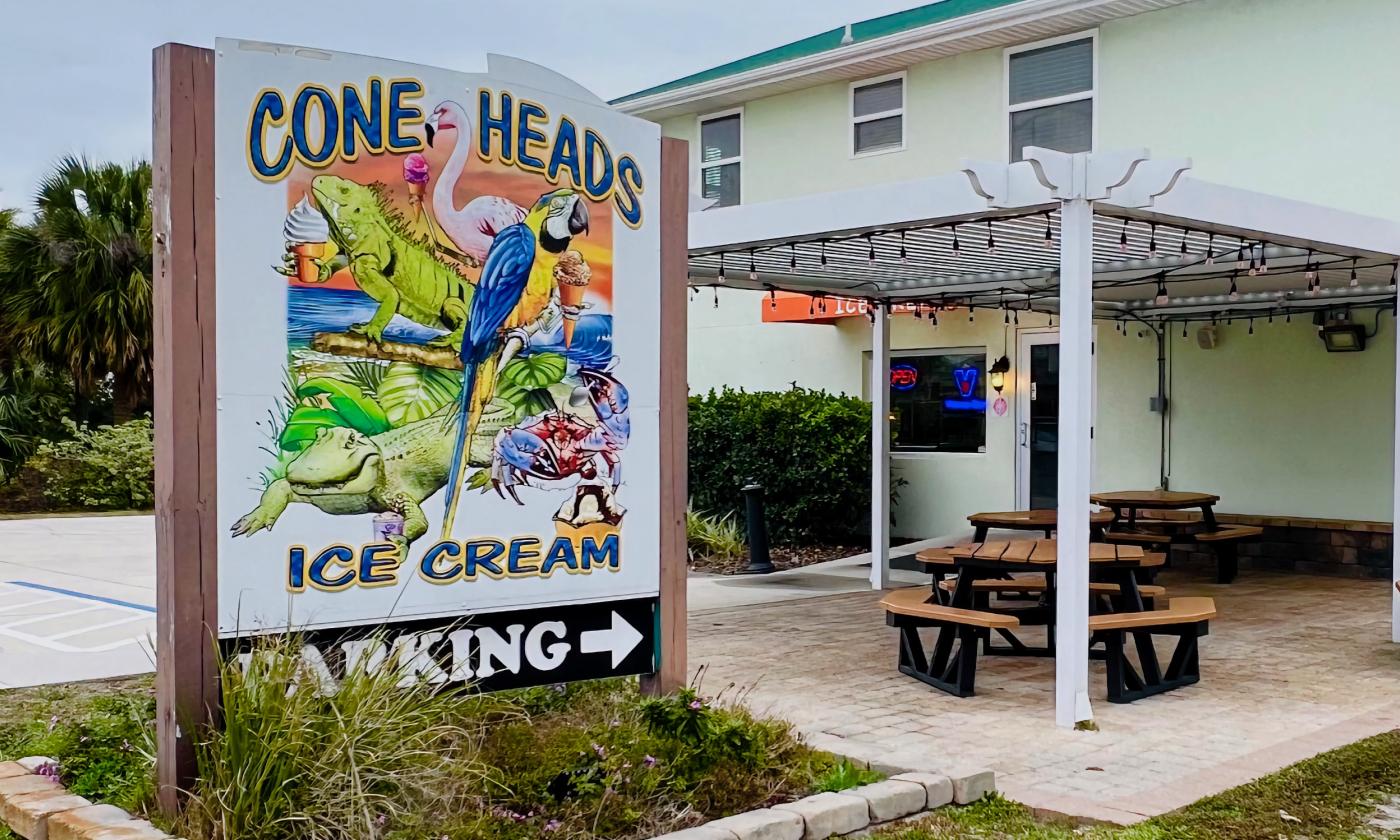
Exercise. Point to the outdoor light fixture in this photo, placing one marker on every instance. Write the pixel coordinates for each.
(772, 299)
(1162, 298)
(1123, 238)
(903, 251)
(1152, 240)
(871, 243)
(1354, 281)
(1239, 260)
(957, 247)
(1049, 234)
(1263, 259)
(996, 375)
(1184, 233)
(721, 270)
(716, 288)
(1210, 249)
(1234, 289)
(823, 252)
(792, 258)
(753, 267)
(1309, 270)
(991, 242)
(1344, 337)
(1253, 266)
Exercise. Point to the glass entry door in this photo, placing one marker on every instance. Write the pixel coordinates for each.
(1038, 418)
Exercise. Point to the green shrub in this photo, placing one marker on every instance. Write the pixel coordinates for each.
(810, 450)
(102, 468)
(713, 537)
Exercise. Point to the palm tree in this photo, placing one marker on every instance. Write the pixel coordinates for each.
(75, 282)
(31, 403)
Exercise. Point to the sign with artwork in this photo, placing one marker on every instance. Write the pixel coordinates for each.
(438, 388)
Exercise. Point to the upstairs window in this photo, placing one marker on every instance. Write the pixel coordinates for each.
(722, 157)
(1050, 95)
(877, 115)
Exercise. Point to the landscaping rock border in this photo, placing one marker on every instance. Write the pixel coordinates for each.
(900, 797)
(36, 807)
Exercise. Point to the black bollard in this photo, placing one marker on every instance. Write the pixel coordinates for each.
(759, 561)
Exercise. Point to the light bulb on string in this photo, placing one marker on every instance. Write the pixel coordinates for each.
(1123, 237)
(1005, 316)
(1288, 317)
(870, 257)
(1240, 261)
(1309, 270)
(716, 288)
(1263, 258)
(1234, 289)
(1183, 329)
(1251, 326)
(772, 299)
(1354, 281)
(903, 250)
(1184, 233)
(1152, 240)
(870, 312)
(957, 246)
(1162, 298)
(991, 241)
(1253, 266)
(1052, 319)
(1049, 234)
(1016, 317)
(811, 306)
(792, 258)
(1394, 275)
(933, 319)
(971, 314)
(823, 252)
(721, 268)
(753, 267)
(1210, 249)
(821, 304)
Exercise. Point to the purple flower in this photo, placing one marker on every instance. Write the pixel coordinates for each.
(615, 723)
(48, 770)
(649, 761)
(552, 825)
(696, 705)
(381, 819)
(53, 722)
(599, 749)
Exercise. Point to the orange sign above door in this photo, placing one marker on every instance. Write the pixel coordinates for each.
(793, 307)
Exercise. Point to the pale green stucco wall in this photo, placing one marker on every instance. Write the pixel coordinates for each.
(1279, 96)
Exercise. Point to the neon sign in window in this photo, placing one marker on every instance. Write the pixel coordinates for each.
(903, 377)
(965, 379)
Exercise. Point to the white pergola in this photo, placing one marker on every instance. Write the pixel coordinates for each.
(1111, 235)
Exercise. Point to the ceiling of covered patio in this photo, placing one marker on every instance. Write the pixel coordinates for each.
(1149, 265)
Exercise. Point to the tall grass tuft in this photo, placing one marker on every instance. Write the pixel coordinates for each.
(717, 538)
(368, 759)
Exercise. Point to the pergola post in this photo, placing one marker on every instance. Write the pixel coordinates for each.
(1075, 445)
(1395, 513)
(880, 451)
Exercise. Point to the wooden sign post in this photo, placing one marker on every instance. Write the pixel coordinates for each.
(190, 525)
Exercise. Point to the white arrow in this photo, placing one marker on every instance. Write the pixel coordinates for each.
(620, 638)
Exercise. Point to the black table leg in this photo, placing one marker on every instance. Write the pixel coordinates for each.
(979, 534)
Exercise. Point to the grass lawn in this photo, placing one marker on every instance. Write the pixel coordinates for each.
(1332, 796)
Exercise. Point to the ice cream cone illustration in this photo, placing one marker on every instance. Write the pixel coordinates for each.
(572, 274)
(307, 233)
(415, 174)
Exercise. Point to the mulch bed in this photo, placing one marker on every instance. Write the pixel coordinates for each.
(784, 557)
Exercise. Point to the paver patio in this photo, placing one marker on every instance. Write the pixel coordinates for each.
(1293, 666)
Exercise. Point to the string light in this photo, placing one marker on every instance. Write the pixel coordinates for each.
(1185, 232)
(772, 299)
(870, 243)
(1016, 317)
(1052, 319)
(692, 292)
(811, 306)
(1234, 289)
(1005, 316)
(1210, 249)
(721, 268)
(903, 251)
(792, 258)
(870, 312)
(991, 242)
(1251, 326)
(1162, 297)
(1152, 240)
(1354, 281)
(1263, 258)
(716, 288)
(1183, 329)
(919, 311)
(1049, 234)
(1394, 275)
(933, 318)
(1123, 237)
(1253, 266)
(1239, 260)
(1288, 317)
(823, 252)
(971, 314)
(753, 267)
(1309, 270)
(821, 304)
(957, 246)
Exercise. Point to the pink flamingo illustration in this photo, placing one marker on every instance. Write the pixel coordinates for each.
(470, 228)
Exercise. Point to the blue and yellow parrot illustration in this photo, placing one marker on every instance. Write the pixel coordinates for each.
(515, 288)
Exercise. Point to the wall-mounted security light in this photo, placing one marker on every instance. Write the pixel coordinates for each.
(997, 374)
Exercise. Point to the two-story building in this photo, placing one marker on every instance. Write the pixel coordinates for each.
(1278, 96)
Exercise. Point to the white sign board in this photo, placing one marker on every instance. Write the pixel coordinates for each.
(438, 343)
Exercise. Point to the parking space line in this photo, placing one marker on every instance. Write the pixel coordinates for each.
(74, 594)
(52, 616)
(103, 626)
(87, 603)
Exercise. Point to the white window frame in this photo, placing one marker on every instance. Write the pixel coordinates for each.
(957, 350)
(698, 166)
(1092, 35)
(903, 77)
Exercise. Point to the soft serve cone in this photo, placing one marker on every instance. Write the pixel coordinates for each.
(306, 232)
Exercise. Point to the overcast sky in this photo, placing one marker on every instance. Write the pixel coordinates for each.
(87, 63)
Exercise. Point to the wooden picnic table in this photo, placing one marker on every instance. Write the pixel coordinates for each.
(1042, 519)
(1128, 527)
(1117, 564)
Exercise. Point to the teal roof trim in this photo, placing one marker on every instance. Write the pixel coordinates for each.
(866, 30)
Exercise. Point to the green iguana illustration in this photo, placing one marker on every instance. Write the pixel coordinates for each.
(345, 472)
(388, 262)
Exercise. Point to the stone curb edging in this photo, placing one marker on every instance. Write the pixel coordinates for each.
(36, 807)
(900, 797)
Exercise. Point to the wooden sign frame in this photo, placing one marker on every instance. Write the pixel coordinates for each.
(186, 410)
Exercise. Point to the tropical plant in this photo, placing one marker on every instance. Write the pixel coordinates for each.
(75, 281)
(410, 392)
(32, 400)
(713, 537)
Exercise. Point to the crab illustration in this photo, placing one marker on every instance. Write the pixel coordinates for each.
(557, 445)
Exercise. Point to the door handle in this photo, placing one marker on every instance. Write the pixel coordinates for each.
(1025, 434)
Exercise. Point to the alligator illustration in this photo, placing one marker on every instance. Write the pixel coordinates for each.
(388, 262)
(345, 472)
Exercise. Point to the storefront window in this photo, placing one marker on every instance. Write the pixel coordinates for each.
(939, 402)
